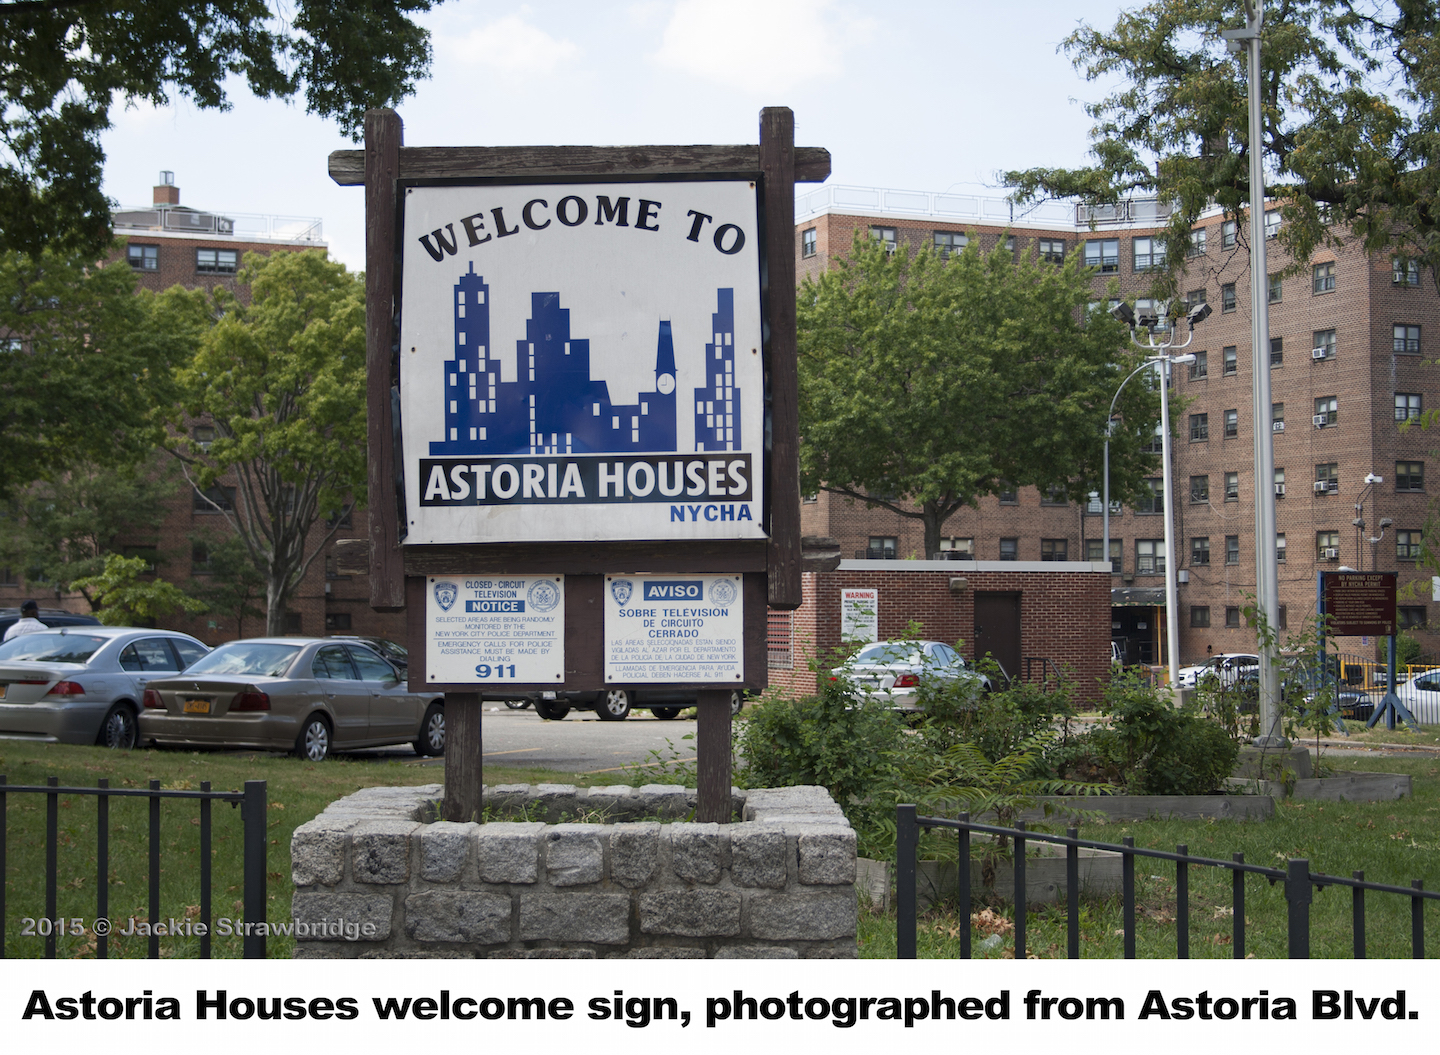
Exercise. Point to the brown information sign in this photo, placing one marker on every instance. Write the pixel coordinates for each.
(1360, 603)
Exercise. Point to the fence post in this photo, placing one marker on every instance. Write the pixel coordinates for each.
(907, 840)
(1072, 896)
(154, 940)
(102, 865)
(963, 880)
(1417, 920)
(1182, 903)
(1237, 908)
(1020, 890)
(1127, 895)
(52, 838)
(1357, 914)
(1297, 898)
(252, 814)
(3, 872)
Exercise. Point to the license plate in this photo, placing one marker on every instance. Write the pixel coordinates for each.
(197, 707)
(543, 695)
(3, 687)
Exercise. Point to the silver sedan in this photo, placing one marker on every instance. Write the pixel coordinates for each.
(307, 695)
(83, 684)
(892, 671)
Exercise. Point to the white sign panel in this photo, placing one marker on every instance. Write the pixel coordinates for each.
(663, 629)
(494, 630)
(582, 362)
(859, 615)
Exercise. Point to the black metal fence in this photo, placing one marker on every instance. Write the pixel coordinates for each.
(252, 812)
(1299, 886)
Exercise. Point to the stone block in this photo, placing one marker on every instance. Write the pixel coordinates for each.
(827, 855)
(698, 851)
(634, 853)
(574, 854)
(603, 919)
(509, 851)
(756, 952)
(757, 856)
(445, 849)
(380, 851)
(557, 801)
(691, 913)
(317, 852)
(458, 916)
(665, 952)
(812, 917)
(342, 917)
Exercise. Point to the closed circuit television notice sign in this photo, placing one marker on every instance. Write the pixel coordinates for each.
(495, 630)
(674, 629)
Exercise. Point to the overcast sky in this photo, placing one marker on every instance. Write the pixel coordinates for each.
(908, 94)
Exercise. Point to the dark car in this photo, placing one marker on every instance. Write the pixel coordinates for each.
(49, 616)
(1305, 683)
(613, 705)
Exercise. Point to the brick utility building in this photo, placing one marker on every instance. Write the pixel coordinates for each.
(1353, 339)
(170, 244)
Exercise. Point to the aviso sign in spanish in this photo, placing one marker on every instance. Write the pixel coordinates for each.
(673, 629)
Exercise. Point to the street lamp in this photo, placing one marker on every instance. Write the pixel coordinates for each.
(1162, 358)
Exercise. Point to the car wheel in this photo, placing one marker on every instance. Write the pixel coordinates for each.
(313, 743)
(614, 706)
(737, 701)
(431, 740)
(550, 710)
(517, 705)
(119, 730)
(665, 714)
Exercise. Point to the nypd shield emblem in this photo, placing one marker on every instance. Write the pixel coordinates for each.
(445, 594)
(621, 589)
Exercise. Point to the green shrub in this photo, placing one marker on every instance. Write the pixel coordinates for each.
(1155, 748)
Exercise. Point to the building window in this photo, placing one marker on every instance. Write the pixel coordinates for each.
(1276, 290)
(1199, 427)
(1228, 232)
(200, 563)
(1279, 483)
(1199, 615)
(1152, 497)
(1009, 243)
(1054, 549)
(206, 501)
(143, 257)
(963, 548)
(8, 576)
(1407, 545)
(1197, 243)
(337, 621)
(881, 548)
(1327, 478)
(203, 436)
(1407, 339)
(1230, 361)
(1322, 344)
(947, 242)
(1232, 616)
(1277, 352)
(1277, 417)
(1199, 551)
(1325, 278)
(1272, 223)
(1054, 496)
(1199, 488)
(807, 242)
(1155, 444)
(12, 345)
(1232, 487)
(1009, 496)
(343, 521)
(1232, 424)
(1052, 250)
(885, 235)
(1280, 547)
(1148, 253)
(1232, 549)
(1409, 476)
(1326, 411)
(1194, 299)
(1009, 549)
(1095, 548)
(293, 624)
(1227, 297)
(1103, 253)
(812, 497)
(1200, 367)
(1404, 272)
(1327, 545)
(216, 261)
(1284, 618)
(1407, 405)
(1411, 617)
(1149, 556)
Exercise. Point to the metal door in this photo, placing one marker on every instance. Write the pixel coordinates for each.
(997, 629)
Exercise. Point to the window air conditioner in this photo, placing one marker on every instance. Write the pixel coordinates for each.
(1321, 486)
(1279, 490)
(1330, 553)
(1319, 353)
(1320, 420)
(1277, 426)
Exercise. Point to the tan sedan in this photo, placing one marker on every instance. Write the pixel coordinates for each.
(308, 695)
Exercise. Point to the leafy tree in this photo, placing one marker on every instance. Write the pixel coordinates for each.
(124, 597)
(64, 64)
(283, 381)
(926, 384)
(232, 586)
(62, 531)
(83, 360)
(1350, 132)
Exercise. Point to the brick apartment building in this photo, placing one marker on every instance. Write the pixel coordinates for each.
(171, 244)
(1353, 339)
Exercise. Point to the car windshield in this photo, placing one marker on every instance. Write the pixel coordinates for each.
(53, 648)
(883, 652)
(256, 658)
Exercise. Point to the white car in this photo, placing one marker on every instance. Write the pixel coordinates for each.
(1421, 696)
(892, 671)
(1227, 667)
(84, 684)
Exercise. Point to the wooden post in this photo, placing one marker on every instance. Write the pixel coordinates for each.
(464, 765)
(383, 136)
(712, 752)
(777, 291)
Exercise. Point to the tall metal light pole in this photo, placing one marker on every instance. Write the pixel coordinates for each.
(1267, 585)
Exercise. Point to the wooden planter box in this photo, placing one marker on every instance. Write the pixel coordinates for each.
(1044, 877)
(1351, 787)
